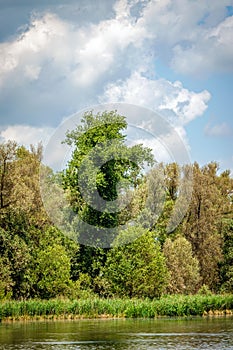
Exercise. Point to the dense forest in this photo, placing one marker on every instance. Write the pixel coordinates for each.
(39, 260)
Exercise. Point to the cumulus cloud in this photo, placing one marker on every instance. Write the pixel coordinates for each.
(57, 67)
(26, 135)
(212, 52)
(171, 100)
(59, 51)
(192, 36)
(179, 104)
(81, 54)
(29, 52)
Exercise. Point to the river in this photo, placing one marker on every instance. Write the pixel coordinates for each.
(130, 334)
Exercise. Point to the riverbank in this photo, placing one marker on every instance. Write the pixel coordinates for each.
(170, 306)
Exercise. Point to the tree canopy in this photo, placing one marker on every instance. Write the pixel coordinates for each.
(106, 186)
(101, 170)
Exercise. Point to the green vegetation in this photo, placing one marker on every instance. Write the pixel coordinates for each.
(99, 142)
(182, 265)
(176, 305)
(39, 262)
(137, 269)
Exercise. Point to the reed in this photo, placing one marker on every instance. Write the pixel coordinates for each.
(172, 305)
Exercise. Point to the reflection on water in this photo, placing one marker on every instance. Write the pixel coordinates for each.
(216, 333)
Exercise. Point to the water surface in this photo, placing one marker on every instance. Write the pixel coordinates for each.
(198, 333)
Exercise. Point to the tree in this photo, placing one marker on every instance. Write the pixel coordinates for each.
(182, 265)
(6, 282)
(19, 183)
(172, 179)
(15, 253)
(136, 269)
(99, 143)
(166, 192)
(26, 187)
(8, 152)
(23, 220)
(202, 225)
(226, 266)
(148, 198)
(101, 161)
(52, 271)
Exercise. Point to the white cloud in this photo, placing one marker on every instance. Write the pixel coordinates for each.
(212, 52)
(179, 104)
(27, 53)
(26, 135)
(58, 67)
(122, 9)
(218, 130)
(193, 36)
(32, 72)
(172, 101)
(103, 44)
(80, 54)
(55, 50)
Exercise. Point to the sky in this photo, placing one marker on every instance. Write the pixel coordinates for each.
(174, 57)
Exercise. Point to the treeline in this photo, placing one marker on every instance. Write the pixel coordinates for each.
(37, 260)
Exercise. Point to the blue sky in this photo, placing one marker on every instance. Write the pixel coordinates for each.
(171, 56)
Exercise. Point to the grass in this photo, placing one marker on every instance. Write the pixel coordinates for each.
(173, 305)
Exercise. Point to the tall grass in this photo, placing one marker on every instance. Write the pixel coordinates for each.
(174, 305)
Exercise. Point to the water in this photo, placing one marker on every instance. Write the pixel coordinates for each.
(215, 333)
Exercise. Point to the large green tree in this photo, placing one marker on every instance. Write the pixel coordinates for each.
(101, 171)
(99, 146)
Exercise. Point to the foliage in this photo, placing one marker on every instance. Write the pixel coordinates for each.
(175, 305)
(137, 268)
(15, 255)
(81, 288)
(183, 267)
(95, 195)
(204, 290)
(52, 272)
(6, 281)
(7, 156)
(38, 260)
(99, 143)
(226, 267)
(202, 225)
